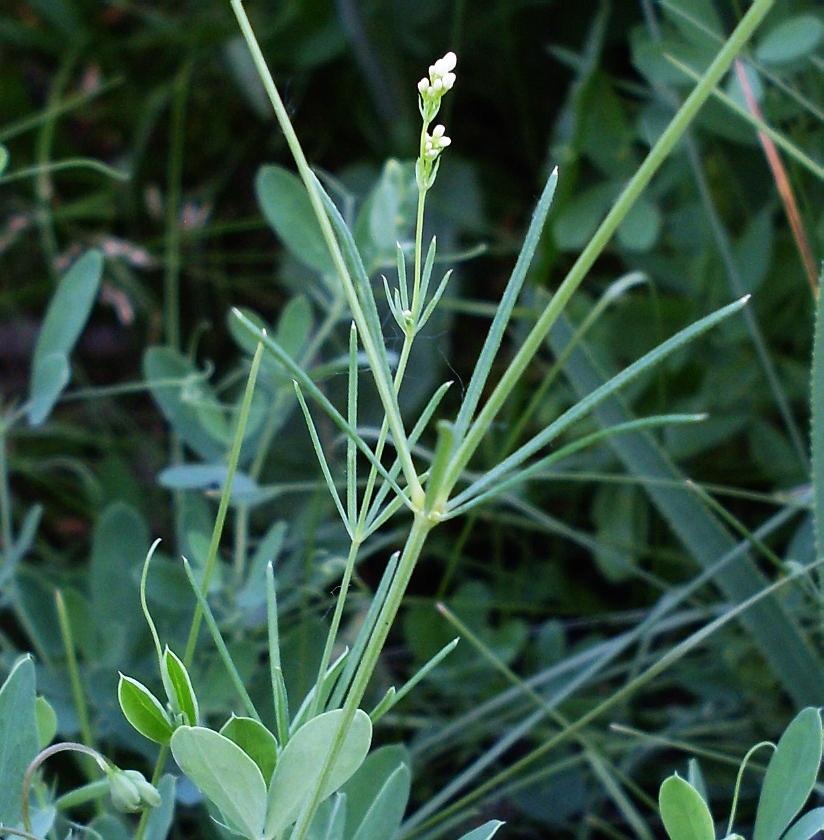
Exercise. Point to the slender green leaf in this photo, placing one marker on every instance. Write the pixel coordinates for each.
(179, 687)
(494, 337)
(790, 775)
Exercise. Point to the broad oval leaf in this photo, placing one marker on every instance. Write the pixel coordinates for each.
(143, 710)
(4, 158)
(255, 740)
(793, 39)
(225, 775)
(286, 207)
(483, 832)
(178, 686)
(300, 764)
(684, 813)
(790, 775)
(50, 376)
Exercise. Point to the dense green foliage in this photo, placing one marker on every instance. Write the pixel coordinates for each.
(605, 589)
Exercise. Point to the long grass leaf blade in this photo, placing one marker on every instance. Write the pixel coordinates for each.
(591, 400)
(504, 311)
(777, 636)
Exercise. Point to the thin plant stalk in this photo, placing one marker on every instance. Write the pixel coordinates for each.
(369, 341)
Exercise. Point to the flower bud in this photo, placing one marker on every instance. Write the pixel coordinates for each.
(131, 792)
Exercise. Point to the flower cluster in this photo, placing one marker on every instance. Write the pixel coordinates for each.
(441, 78)
(434, 143)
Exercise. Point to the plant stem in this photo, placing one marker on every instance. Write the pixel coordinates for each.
(421, 526)
(379, 370)
(223, 507)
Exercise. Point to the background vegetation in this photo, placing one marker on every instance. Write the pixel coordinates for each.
(577, 581)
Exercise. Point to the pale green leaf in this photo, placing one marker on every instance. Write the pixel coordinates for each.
(794, 38)
(683, 811)
(18, 736)
(790, 775)
(286, 207)
(483, 832)
(225, 775)
(300, 765)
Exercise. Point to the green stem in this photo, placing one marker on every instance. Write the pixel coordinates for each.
(656, 157)
(28, 778)
(380, 373)
(223, 507)
(275, 418)
(74, 675)
(421, 526)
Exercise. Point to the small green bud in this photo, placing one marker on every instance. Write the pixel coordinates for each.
(131, 792)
